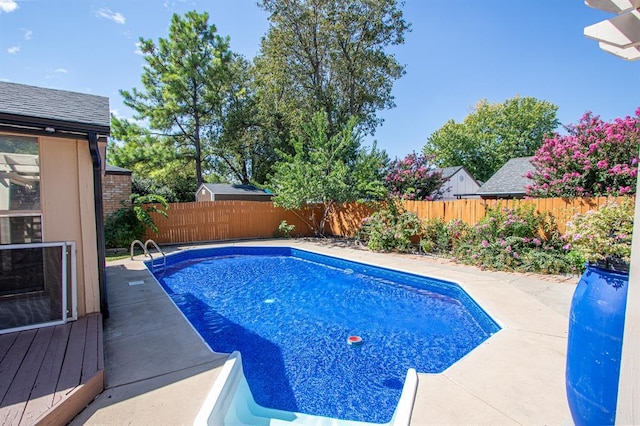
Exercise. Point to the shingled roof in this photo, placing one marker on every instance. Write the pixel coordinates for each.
(23, 105)
(447, 172)
(228, 189)
(115, 170)
(509, 181)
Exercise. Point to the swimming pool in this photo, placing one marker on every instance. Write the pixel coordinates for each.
(290, 313)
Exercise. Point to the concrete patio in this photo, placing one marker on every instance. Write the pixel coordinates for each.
(159, 371)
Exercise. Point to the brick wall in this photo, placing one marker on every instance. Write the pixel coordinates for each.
(115, 189)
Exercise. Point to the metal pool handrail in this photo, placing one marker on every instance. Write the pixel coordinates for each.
(164, 257)
(144, 249)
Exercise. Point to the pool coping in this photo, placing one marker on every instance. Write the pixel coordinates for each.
(515, 377)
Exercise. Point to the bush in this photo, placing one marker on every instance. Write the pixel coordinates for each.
(390, 228)
(440, 237)
(515, 240)
(603, 234)
(122, 227)
(284, 229)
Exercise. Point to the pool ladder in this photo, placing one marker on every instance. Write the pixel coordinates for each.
(145, 249)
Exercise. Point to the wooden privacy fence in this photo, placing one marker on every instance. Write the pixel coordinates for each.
(228, 220)
(221, 220)
(471, 211)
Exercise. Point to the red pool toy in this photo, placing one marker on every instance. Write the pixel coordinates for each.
(354, 340)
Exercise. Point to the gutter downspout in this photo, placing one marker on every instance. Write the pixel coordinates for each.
(97, 197)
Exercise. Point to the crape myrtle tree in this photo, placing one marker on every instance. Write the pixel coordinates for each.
(185, 83)
(328, 56)
(594, 158)
(414, 178)
(326, 171)
(492, 134)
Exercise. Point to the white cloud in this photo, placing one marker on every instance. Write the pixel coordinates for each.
(27, 33)
(138, 51)
(105, 13)
(8, 6)
(61, 71)
(6, 80)
(13, 49)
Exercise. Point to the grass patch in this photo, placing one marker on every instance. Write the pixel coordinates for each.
(119, 254)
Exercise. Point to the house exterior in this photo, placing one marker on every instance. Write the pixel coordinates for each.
(52, 146)
(227, 192)
(509, 181)
(116, 189)
(459, 184)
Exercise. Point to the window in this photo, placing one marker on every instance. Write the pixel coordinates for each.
(20, 214)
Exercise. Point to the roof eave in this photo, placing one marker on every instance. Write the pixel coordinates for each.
(39, 124)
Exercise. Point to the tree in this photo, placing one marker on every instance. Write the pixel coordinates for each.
(326, 171)
(185, 82)
(329, 56)
(595, 158)
(492, 134)
(155, 161)
(243, 152)
(414, 178)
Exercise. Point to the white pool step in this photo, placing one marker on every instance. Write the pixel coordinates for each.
(230, 403)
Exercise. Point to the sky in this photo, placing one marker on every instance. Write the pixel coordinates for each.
(457, 53)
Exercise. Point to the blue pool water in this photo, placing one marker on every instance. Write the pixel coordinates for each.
(290, 312)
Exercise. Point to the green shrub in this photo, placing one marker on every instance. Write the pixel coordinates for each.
(391, 228)
(127, 224)
(440, 237)
(284, 229)
(122, 227)
(603, 234)
(515, 240)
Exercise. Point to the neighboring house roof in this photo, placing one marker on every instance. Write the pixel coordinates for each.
(510, 180)
(115, 170)
(58, 110)
(447, 172)
(226, 188)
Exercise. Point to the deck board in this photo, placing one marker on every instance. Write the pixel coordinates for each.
(13, 359)
(90, 359)
(18, 394)
(6, 341)
(71, 374)
(50, 374)
(41, 399)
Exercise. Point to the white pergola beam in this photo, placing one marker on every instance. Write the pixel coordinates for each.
(629, 54)
(622, 31)
(614, 6)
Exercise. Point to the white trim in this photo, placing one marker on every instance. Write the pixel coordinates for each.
(64, 282)
(74, 302)
(74, 282)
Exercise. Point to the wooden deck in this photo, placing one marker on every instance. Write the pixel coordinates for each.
(48, 375)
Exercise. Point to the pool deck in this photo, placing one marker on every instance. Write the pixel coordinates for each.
(159, 371)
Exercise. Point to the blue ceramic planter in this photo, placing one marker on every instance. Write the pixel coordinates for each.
(596, 324)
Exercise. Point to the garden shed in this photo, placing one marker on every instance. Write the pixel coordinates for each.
(227, 192)
(459, 183)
